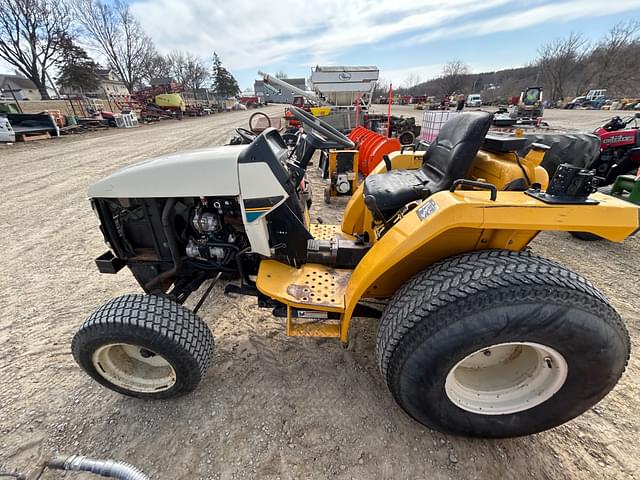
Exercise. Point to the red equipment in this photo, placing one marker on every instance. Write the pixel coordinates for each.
(371, 147)
(300, 102)
(619, 148)
(250, 101)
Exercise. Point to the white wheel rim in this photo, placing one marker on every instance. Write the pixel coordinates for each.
(506, 378)
(134, 368)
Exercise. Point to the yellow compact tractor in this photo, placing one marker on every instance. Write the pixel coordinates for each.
(479, 337)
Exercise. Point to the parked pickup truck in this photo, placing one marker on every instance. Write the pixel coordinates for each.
(474, 100)
(6, 131)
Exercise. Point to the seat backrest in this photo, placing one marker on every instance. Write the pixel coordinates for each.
(450, 156)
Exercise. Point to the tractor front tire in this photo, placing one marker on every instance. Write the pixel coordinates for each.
(145, 346)
(498, 343)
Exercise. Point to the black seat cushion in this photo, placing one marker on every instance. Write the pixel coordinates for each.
(394, 189)
(447, 159)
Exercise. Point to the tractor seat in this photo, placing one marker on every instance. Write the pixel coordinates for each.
(447, 159)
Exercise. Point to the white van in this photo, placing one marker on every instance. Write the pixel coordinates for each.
(474, 100)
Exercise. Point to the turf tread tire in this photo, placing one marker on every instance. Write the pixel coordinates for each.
(159, 320)
(453, 287)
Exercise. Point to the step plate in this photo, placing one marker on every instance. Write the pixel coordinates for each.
(323, 231)
(313, 286)
(313, 329)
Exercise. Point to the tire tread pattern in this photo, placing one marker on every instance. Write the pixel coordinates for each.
(463, 279)
(157, 315)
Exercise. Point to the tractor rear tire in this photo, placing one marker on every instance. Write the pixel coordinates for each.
(586, 236)
(498, 343)
(144, 346)
(327, 194)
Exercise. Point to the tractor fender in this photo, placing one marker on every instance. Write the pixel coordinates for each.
(356, 216)
(450, 223)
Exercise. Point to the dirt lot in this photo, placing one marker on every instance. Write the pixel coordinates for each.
(272, 406)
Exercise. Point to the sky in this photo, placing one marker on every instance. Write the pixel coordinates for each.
(399, 37)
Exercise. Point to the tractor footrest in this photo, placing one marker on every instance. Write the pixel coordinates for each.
(313, 328)
(325, 231)
(313, 294)
(312, 323)
(310, 287)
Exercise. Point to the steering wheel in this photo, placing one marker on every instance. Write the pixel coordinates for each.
(321, 127)
(615, 123)
(246, 135)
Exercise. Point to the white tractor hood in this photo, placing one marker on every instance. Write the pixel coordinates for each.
(197, 173)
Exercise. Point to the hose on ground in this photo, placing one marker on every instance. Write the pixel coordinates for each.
(106, 468)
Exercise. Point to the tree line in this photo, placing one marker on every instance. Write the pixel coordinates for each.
(564, 67)
(42, 37)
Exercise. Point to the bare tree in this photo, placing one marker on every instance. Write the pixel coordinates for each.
(412, 81)
(156, 66)
(31, 35)
(281, 74)
(615, 61)
(195, 72)
(119, 37)
(176, 65)
(381, 90)
(454, 77)
(559, 60)
(187, 69)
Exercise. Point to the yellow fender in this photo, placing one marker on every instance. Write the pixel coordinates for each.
(357, 218)
(448, 223)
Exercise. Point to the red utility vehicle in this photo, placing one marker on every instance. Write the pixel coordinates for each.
(619, 148)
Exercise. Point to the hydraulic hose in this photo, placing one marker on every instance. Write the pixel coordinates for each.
(105, 468)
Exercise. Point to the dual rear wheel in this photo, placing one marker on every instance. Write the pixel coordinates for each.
(490, 344)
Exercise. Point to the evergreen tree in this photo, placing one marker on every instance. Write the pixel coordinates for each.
(224, 84)
(78, 71)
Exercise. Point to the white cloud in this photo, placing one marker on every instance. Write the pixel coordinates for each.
(5, 67)
(251, 35)
(557, 12)
(248, 35)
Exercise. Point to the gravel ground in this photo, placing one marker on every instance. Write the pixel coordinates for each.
(271, 406)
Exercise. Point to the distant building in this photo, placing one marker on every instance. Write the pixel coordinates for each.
(110, 83)
(19, 87)
(278, 95)
(167, 82)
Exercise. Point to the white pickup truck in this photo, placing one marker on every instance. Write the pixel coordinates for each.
(6, 131)
(474, 100)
